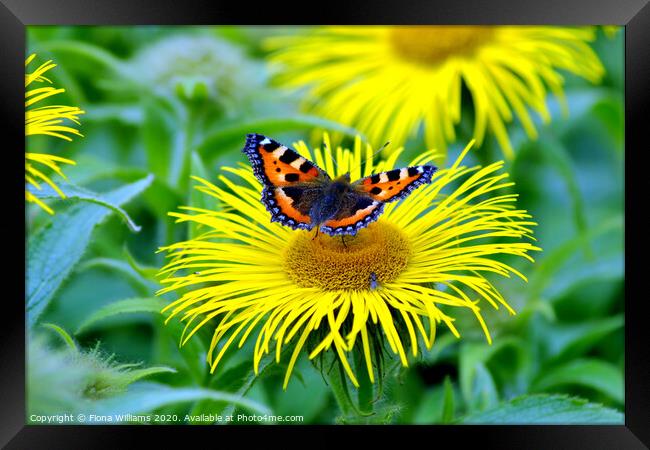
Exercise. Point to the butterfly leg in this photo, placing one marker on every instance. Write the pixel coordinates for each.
(343, 240)
(316, 234)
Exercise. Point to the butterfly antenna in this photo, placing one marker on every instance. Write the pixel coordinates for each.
(371, 156)
(332, 158)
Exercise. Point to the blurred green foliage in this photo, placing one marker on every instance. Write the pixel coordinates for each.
(176, 101)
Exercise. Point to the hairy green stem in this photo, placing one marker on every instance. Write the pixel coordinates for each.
(338, 385)
(365, 394)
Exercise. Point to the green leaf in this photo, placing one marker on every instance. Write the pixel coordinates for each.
(338, 384)
(559, 158)
(62, 334)
(234, 134)
(197, 198)
(144, 397)
(448, 401)
(554, 261)
(198, 168)
(73, 192)
(146, 272)
(590, 297)
(566, 341)
(159, 137)
(430, 407)
(249, 379)
(126, 306)
(134, 375)
(546, 410)
(91, 168)
(54, 250)
(94, 54)
(162, 198)
(571, 276)
(193, 352)
(484, 391)
(310, 385)
(610, 112)
(443, 346)
(592, 373)
(231, 380)
(129, 115)
(140, 283)
(475, 355)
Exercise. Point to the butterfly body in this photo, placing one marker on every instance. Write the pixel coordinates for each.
(330, 201)
(300, 195)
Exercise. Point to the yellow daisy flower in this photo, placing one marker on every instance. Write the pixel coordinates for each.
(389, 82)
(400, 277)
(48, 120)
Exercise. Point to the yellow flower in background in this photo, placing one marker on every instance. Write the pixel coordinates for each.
(390, 82)
(394, 282)
(47, 120)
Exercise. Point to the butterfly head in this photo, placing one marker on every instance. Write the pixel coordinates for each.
(340, 186)
(345, 178)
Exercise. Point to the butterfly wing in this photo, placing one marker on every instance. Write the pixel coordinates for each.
(275, 164)
(291, 182)
(356, 211)
(290, 205)
(394, 184)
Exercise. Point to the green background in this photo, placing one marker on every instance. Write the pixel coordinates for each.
(559, 360)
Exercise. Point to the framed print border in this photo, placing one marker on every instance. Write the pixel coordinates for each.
(15, 15)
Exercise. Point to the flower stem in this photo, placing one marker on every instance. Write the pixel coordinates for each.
(365, 393)
(182, 157)
(337, 380)
(339, 387)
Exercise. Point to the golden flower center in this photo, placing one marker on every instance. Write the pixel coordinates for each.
(378, 253)
(432, 44)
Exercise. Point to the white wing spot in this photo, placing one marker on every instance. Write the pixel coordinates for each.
(279, 151)
(297, 163)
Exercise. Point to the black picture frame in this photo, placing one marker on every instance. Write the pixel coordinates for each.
(15, 15)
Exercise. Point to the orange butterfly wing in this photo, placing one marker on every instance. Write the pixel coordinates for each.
(290, 205)
(357, 211)
(275, 164)
(291, 182)
(395, 184)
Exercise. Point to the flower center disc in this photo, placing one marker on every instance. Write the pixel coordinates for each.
(432, 44)
(326, 263)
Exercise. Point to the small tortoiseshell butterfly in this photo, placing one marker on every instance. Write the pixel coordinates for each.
(300, 195)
